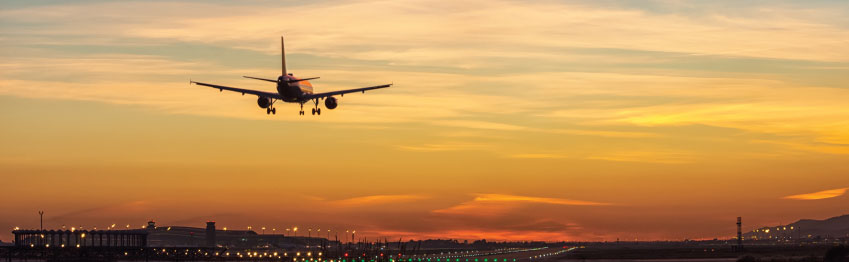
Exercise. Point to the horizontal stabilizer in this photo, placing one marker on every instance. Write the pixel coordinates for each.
(305, 79)
(263, 79)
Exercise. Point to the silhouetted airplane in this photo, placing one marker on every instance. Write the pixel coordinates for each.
(292, 90)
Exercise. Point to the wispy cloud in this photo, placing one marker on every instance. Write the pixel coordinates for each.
(488, 204)
(537, 156)
(326, 28)
(664, 157)
(530, 199)
(443, 147)
(475, 124)
(377, 200)
(831, 193)
(601, 133)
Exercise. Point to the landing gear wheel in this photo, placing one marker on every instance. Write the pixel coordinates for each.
(313, 111)
(268, 111)
(301, 113)
(274, 111)
(318, 111)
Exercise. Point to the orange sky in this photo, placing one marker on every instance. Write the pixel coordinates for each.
(508, 121)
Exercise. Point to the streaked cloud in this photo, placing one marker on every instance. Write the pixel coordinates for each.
(322, 28)
(537, 156)
(529, 199)
(825, 194)
(377, 200)
(480, 125)
(489, 204)
(444, 147)
(663, 157)
(602, 133)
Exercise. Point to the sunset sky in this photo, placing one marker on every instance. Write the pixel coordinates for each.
(508, 120)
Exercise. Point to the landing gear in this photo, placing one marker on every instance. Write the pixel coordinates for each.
(316, 110)
(270, 111)
(302, 109)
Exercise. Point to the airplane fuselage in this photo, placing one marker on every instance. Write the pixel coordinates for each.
(294, 92)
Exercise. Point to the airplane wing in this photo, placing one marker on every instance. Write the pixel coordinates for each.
(342, 92)
(239, 90)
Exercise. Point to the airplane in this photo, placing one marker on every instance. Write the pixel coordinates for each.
(291, 89)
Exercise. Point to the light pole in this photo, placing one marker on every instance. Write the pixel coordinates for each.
(263, 230)
(41, 219)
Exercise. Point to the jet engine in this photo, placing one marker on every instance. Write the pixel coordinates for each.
(263, 102)
(330, 102)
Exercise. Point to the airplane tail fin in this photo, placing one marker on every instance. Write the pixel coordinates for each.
(282, 56)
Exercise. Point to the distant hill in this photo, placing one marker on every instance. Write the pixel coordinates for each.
(835, 227)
